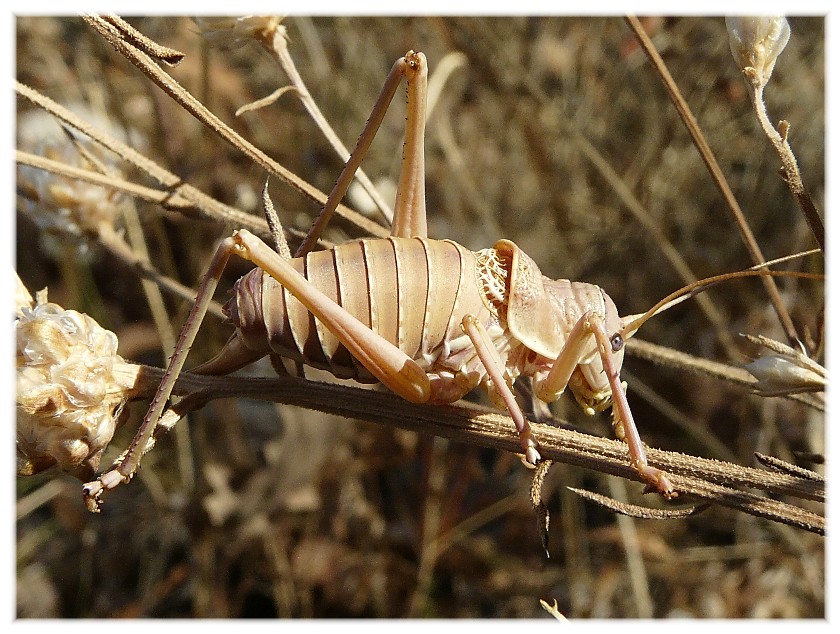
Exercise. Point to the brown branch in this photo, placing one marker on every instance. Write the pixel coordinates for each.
(713, 481)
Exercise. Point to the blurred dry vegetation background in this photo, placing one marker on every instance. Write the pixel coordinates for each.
(259, 510)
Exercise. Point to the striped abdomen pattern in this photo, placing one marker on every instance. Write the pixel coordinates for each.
(412, 291)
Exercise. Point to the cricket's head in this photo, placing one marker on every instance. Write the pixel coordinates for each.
(542, 314)
(589, 382)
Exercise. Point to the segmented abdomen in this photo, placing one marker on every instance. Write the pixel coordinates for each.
(412, 291)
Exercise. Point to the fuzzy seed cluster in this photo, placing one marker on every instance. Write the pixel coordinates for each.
(68, 388)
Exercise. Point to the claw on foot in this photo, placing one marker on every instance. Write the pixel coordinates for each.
(658, 481)
(529, 449)
(92, 491)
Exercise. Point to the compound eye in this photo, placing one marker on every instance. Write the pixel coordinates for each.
(616, 342)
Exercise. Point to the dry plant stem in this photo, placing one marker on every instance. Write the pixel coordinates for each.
(634, 510)
(168, 200)
(209, 206)
(278, 47)
(789, 167)
(265, 101)
(716, 173)
(675, 359)
(280, 244)
(186, 100)
(167, 55)
(661, 240)
(786, 467)
(710, 480)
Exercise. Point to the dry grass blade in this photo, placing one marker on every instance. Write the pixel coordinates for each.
(714, 169)
(792, 469)
(199, 111)
(634, 510)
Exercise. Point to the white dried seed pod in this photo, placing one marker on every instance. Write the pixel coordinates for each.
(70, 384)
(781, 373)
(232, 32)
(756, 42)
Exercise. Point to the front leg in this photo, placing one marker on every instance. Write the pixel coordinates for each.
(495, 369)
(553, 385)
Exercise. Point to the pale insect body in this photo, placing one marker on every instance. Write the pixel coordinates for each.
(425, 320)
(429, 319)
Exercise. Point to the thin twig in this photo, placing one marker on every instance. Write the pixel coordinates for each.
(640, 512)
(278, 47)
(171, 201)
(669, 357)
(165, 54)
(786, 467)
(186, 100)
(264, 101)
(714, 169)
(790, 170)
(209, 206)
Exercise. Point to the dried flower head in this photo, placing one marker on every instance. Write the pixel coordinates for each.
(70, 387)
(230, 32)
(756, 43)
(789, 371)
(780, 374)
(60, 205)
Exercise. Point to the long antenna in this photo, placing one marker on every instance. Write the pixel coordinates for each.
(686, 292)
